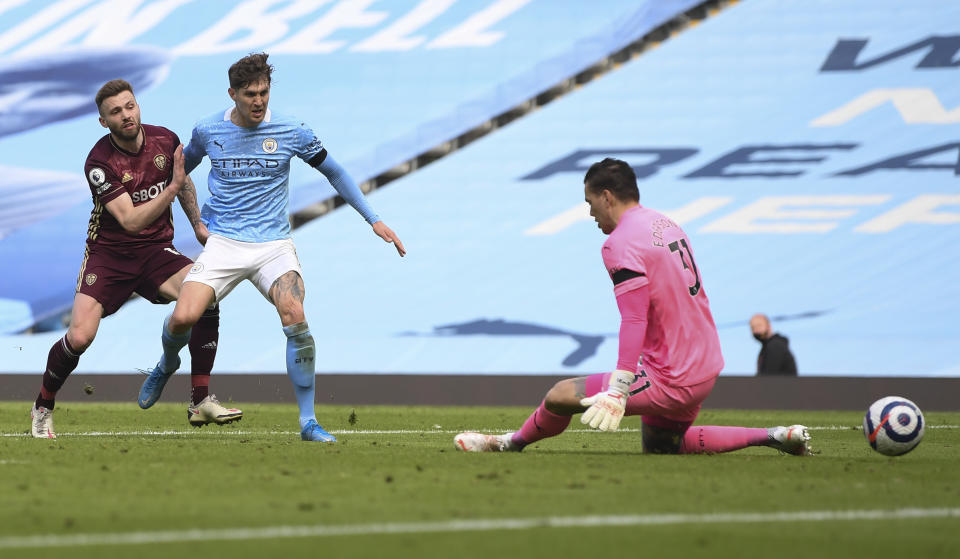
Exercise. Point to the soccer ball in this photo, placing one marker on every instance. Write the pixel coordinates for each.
(893, 425)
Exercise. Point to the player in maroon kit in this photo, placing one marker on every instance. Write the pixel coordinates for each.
(133, 172)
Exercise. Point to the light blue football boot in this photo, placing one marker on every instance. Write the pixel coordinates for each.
(312, 431)
(152, 388)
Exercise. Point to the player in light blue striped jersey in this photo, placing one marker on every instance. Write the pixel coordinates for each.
(250, 149)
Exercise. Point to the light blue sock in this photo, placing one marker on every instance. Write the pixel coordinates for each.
(301, 354)
(172, 344)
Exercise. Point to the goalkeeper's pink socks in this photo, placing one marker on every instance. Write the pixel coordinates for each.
(708, 438)
(698, 439)
(541, 424)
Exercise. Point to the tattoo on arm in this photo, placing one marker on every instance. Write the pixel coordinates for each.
(580, 385)
(188, 201)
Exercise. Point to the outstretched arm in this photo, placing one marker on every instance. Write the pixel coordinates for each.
(341, 181)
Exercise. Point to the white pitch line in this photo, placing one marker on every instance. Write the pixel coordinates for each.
(477, 525)
(227, 431)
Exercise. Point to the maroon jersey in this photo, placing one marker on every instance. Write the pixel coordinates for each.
(111, 171)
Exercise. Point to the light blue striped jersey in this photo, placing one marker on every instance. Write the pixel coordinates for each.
(249, 173)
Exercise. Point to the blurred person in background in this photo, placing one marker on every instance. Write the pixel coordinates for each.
(775, 356)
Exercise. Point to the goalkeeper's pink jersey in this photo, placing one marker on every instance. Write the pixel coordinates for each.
(681, 346)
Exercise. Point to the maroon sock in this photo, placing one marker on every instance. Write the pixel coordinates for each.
(199, 387)
(61, 361)
(203, 352)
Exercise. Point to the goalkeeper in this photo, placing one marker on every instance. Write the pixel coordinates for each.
(669, 355)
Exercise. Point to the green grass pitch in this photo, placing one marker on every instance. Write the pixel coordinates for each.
(123, 482)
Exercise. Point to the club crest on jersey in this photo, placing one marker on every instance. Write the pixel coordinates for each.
(97, 176)
(91, 279)
(127, 177)
(160, 161)
(270, 145)
(196, 268)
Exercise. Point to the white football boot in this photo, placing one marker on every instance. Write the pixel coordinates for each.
(209, 410)
(478, 442)
(791, 440)
(41, 424)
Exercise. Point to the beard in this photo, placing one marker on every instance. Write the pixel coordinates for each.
(127, 134)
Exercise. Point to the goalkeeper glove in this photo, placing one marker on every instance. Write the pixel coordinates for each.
(605, 410)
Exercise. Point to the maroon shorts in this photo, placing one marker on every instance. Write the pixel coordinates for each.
(111, 275)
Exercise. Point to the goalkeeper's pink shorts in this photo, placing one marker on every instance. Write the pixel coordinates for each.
(658, 404)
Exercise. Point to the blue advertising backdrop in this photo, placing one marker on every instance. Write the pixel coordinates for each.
(380, 82)
(808, 148)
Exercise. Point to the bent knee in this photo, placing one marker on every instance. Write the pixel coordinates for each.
(564, 398)
(182, 319)
(291, 312)
(81, 339)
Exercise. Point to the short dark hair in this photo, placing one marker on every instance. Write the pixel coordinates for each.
(111, 88)
(250, 69)
(613, 175)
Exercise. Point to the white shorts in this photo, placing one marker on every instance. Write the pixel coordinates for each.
(224, 263)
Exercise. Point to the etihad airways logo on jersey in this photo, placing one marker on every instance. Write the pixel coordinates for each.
(245, 167)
